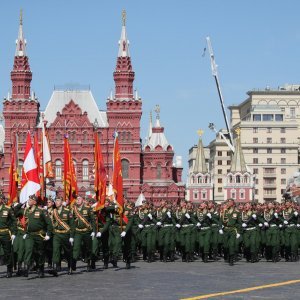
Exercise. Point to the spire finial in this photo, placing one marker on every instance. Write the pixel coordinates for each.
(124, 17)
(21, 16)
(200, 132)
(157, 110)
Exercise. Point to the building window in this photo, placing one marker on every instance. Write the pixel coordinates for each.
(269, 140)
(219, 163)
(268, 117)
(269, 160)
(292, 112)
(255, 150)
(219, 190)
(20, 167)
(283, 171)
(233, 194)
(125, 168)
(256, 181)
(279, 118)
(203, 193)
(219, 180)
(228, 162)
(255, 140)
(85, 137)
(269, 130)
(282, 141)
(255, 160)
(283, 160)
(242, 194)
(219, 171)
(282, 130)
(255, 129)
(269, 150)
(256, 191)
(195, 194)
(255, 171)
(58, 169)
(85, 169)
(283, 181)
(282, 150)
(256, 117)
(219, 153)
(229, 153)
(58, 136)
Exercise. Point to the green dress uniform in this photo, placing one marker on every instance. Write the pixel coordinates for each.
(187, 235)
(63, 225)
(215, 235)
(272, 221)
(49, 243)
(250, 231)
(290, 220)
(128, 239)
(38, 226)
(8, 227)
(231, 221)
(83, 233)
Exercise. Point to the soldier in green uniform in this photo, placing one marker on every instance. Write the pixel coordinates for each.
(290, 217)
(49, 244)
(231, 221)
(158, 215)
(63, 225)
(84, 232)
(8, 231)
(38, 229)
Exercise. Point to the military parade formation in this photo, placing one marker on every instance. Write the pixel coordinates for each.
(32, 235)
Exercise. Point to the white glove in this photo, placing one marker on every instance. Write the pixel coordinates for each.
(260, 225)
(47, 237)
(187, 215)
(276, 215)
(266, 224)
(24, 236)
(198, 224)
(93, 235)
(71, 240)
(178, 225)
(123, 233)
(238, 235)
(94, 205)
(158, 223)
(254, 216)
(280, 225)
(15, 204)
(45, 208)
(12, 238)
(169, 214)
(298, 225)
(209, 215)
(64, 203)
(141, 226)
(296, 213)
(244, 225)
(150, 216)
(221, 231)
(285, 222)
(98, 235)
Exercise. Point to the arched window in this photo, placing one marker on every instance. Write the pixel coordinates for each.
(200, 179)
(230, 179)
(123, 138)
(128, 136)
(58, 136)
(58, 169)
(20, 166)
(85, 137)
(125, 168)
(195, 195)
(85, 169)
(158, 171)
(238, 179)
(242, 194)
(233, 194)
(203, 195)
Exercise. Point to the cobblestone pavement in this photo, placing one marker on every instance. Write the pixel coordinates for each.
(158, 281)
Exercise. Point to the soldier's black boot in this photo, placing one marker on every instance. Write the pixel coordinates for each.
(73, 265)
(231, 260)
(115, 262)
(93, 264)
(88, 267)
(205, 258)
(19, 270)
(58, 267)
(26, 270)
(128, 264)
(41, 273)
(9, 272)
(105, 260)
(54, 271)
(172, 256)
(70, 272)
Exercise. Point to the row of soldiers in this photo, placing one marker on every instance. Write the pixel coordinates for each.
(30, 233)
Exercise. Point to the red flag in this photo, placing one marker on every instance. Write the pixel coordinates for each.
(117, 175)
(100, 175)
(70, 181)
(13, 176)
(30, 178)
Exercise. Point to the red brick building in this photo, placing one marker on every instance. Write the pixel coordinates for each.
(147, 168)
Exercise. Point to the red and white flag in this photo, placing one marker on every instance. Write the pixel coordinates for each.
(30, 178)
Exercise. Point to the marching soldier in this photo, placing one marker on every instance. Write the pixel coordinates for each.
(49, 244)
(38, 230)
(63, 225)
(8, 231)
(84, 233)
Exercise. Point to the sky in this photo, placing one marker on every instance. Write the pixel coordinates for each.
(256, 44)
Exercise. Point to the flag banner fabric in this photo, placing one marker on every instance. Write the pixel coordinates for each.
(70, 181)
(47, 161)
(13, 176)
(100, 175)
(117, 175)
(30, 183)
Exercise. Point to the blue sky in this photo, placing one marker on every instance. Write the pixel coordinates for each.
(256, 43)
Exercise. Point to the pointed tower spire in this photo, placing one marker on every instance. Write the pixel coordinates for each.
(238, 161)
(124, 75)
(150, 126)
(200, 165)
(21, 75)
